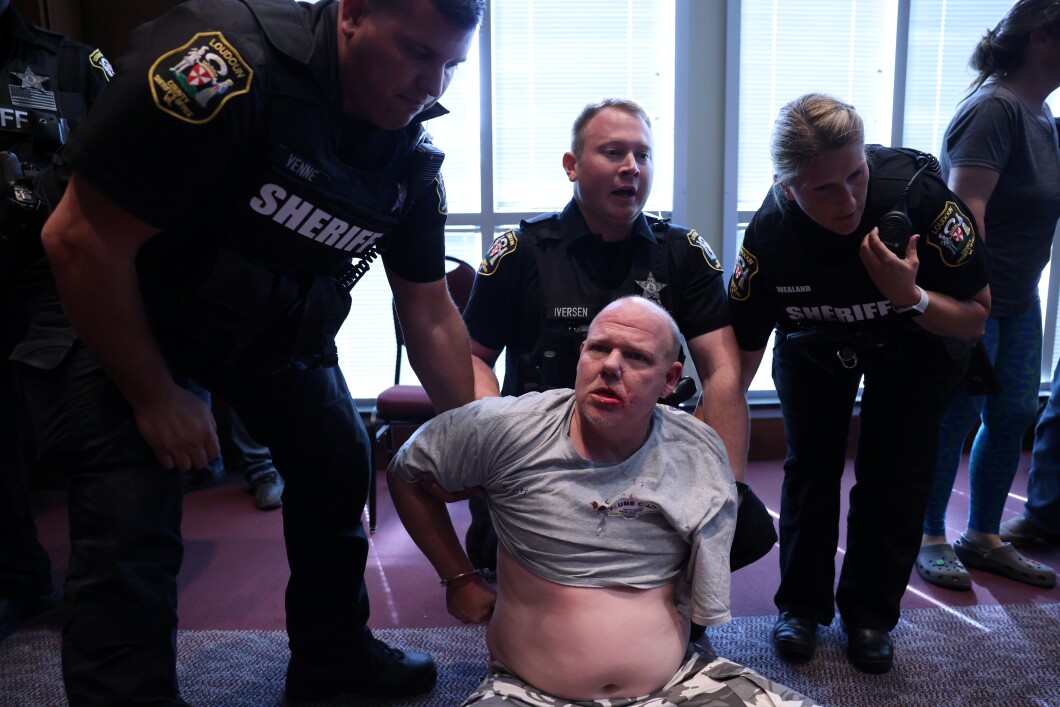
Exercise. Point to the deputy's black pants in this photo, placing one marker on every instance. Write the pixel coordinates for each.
(120, 593)
(906, 387)
(25, 570)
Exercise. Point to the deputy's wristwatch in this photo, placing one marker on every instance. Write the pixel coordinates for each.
(918, 308)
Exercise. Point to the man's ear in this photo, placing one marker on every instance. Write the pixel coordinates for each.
(570, 166)
(672, 376)
(351, 14)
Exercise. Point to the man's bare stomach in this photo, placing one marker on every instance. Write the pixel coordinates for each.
(585, 643)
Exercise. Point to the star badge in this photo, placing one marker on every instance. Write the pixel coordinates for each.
(30, 79)
(651, 288)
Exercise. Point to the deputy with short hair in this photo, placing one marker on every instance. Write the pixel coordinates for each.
(248, 150)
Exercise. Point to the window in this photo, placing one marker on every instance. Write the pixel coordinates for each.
(845, 48)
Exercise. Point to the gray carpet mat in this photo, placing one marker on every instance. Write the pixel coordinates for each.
(983, 655)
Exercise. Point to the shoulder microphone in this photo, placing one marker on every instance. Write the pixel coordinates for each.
(896, 227)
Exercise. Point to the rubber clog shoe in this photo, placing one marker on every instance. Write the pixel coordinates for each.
(1005, 561)
(939, 565)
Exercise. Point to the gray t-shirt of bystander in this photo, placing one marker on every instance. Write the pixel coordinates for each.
(994, 129)
(669, 509)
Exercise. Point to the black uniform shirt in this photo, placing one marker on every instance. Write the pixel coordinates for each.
(506, 301)
(792, 273)
(169, 154)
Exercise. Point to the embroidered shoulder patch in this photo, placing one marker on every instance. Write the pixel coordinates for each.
(746, 268)
(697, 241)
(192, 82)
(439, 189)
(953, 234)
(99, 61)
(503, 245)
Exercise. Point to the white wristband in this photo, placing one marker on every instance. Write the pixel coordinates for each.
(918, 308)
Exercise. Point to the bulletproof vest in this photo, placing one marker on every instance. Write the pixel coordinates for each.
(32, 129)
(570, 299)
(277, 286)
(307, 205)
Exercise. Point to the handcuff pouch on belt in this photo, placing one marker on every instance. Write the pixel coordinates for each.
(848, 343)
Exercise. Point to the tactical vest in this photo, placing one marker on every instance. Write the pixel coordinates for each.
(32, 129)
(276, 290)
(570, 299)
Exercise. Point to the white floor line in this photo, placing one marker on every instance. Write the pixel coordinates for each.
(395, 618)
(948, 609)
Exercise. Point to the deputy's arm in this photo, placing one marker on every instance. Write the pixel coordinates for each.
(427, 521)
(92, 245)
(723, 405)
(482, 362)
(436, 340)
(896, 279)
(749, 363)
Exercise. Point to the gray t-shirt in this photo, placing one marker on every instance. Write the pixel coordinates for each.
(671, 507)
(994, 129)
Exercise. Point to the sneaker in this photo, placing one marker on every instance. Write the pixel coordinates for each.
(1021, 531)
(268, 490)
(376, 670)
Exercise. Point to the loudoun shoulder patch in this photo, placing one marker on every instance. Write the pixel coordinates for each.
(746, 268)
(193, 81)
(502, 245)
(697, 241)
(953, 235)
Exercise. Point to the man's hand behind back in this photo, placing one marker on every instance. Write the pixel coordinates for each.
(471, 601)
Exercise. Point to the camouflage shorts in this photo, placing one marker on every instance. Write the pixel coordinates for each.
(699, 681)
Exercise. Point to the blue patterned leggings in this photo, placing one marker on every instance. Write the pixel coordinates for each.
(1015, 346)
